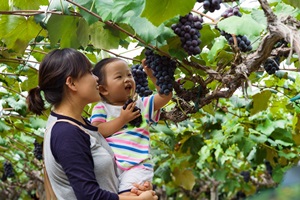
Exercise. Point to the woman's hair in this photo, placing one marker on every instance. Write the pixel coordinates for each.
(53, 72)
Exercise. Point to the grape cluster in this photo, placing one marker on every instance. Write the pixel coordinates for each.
(140, 78)
(242, 41)
(271, 65)
(38, 150)
(8, 171)
(188, 30)
(232, 11)
(163, 70)
(269, 167)
(137, 121)
(246, 176)
(211, 5)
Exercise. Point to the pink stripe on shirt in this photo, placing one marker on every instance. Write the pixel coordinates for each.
(99, 107)
(127, 143)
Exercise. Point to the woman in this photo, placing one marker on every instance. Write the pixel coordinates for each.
(79, 162)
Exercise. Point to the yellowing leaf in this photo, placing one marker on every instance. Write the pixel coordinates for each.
(260, 101)
(185, 178)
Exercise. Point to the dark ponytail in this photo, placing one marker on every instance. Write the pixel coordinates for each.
(35, 101)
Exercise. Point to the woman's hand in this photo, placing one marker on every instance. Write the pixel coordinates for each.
(140, 188)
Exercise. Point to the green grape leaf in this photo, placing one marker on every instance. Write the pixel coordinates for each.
(90, 6)
(145, 29)
(124, 10)
(164, 171)
(3, 127)
(208, 36)
(294, 3)
(17, 31)
(104, 9)
(257, 136)
(244, 25)
(83, 32)
(246, 145)
(59, 27)
(193, 144)
(220, 174)
(33, 5)
(37, 123)
(59, 5)
(102, 38)
(217, 46)
(267, 127)
(157, 11)
(4, 5)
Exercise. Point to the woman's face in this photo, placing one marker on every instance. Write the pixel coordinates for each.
(87, 87)
(119, 83)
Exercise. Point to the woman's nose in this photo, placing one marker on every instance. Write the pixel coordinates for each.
(96, 77)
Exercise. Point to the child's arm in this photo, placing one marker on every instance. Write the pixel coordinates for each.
(159, 99)
(110, 127)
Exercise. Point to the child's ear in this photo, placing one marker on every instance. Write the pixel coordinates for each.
(103, 91)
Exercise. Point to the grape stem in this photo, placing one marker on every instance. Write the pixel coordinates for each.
(202, 14)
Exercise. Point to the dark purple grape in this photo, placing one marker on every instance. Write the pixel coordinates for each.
(246, 176)
(38, 150)
(137, 121)
(140, 78)
(271, 65)
(8, 170)
(211, 5)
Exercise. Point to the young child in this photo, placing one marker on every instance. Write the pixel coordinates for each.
(130, 144)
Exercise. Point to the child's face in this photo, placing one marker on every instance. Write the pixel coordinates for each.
(119, 83)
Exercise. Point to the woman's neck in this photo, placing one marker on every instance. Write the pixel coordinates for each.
(69, 112)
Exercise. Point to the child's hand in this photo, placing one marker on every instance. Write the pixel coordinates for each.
(147, 69)
(128, 114)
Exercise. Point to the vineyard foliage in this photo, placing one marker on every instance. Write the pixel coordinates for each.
(229, 114)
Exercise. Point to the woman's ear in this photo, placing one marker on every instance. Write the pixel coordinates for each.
(70, 83)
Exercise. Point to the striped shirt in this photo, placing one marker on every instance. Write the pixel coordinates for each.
(131, 145)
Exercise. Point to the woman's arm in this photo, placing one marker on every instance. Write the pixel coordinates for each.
(147, 195)
(71, 149)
